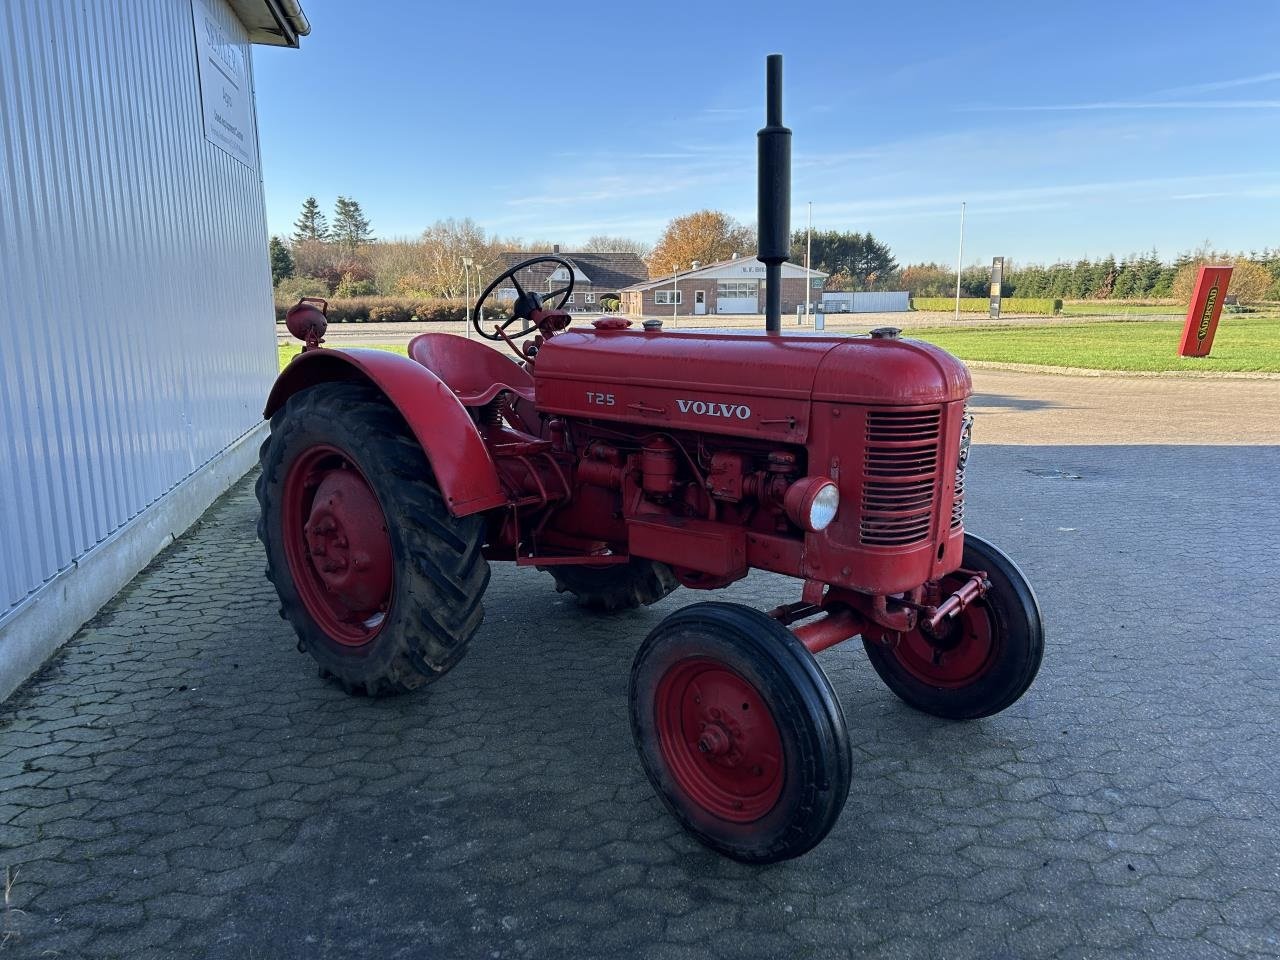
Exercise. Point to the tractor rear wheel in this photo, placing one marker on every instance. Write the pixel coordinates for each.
(621, 586)
(984, 659)
(381, 583)
(739, 732)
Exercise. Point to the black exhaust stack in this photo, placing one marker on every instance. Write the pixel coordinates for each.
(773, 216)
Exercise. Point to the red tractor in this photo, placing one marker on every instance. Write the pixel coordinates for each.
(629, 462)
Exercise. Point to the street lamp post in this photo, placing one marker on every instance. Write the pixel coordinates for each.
(808, 252)
(959, 259)
(466, 283)
(675, 294)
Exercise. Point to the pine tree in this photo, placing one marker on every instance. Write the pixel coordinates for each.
(350, 226)
(1124, 285)
(281, 260)
(311, 224)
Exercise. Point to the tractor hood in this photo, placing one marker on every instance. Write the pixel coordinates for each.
(748, 384)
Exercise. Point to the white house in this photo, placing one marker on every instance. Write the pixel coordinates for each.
(136, 333)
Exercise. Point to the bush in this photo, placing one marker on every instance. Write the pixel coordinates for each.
(352, 286)
(391, 309)
(292, 288)
(1042, 305)
(1249, 281)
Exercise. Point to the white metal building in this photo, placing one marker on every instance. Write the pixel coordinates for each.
(137, 340)
(887, 301)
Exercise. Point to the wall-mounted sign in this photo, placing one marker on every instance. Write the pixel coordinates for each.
(225, 98)
(1204, 310)
(997, 284)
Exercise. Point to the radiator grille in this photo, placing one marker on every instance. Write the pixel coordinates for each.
(957, 505)
(900, 476)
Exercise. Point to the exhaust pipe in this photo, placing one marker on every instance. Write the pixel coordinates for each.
(773, 200)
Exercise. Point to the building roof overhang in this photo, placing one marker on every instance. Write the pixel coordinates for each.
(276, 23)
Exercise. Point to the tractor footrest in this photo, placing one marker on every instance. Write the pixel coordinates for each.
(718, 549)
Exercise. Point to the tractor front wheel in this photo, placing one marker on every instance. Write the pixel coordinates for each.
(983, 660)
(739, 732)
(381, 583)
(621, 586)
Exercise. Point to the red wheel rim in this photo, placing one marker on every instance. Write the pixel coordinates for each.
(337, 545)
(719, 740)
(960, 655)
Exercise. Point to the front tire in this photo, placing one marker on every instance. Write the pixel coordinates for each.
(985, 659)
(739, 732)
(380, 582)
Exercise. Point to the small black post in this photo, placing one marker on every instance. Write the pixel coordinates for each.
(773, 217)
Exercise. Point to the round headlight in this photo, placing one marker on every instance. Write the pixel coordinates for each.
(812, 503)
(823, 507)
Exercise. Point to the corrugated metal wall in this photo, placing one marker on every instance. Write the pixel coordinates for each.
(136, 334)
(887, 301)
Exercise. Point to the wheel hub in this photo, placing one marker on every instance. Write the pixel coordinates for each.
(347, 541)
(956, 656)
(720, 739)
(716, 742)
(337, 545)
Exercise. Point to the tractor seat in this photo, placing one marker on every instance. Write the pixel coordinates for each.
(473, 371)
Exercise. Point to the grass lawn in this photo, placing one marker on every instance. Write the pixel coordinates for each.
(1118, 308)
(1241, 344)
(291, 350)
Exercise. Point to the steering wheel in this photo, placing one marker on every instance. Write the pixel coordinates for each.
(528, 306)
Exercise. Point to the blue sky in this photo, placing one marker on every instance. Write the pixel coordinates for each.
(1069, 128)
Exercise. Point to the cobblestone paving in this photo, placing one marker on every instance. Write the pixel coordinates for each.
(179, 783)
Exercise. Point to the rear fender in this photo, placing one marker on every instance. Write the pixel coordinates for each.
(461, 462)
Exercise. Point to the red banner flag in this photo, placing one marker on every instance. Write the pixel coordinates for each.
(1203, 313)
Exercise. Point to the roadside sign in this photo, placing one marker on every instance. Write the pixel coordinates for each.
(1204, 310)
(997, 282)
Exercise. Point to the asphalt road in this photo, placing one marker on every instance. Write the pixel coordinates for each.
(179, 783)
(359, 334)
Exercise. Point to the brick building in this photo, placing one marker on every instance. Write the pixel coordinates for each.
(731, 286)
(598, 275)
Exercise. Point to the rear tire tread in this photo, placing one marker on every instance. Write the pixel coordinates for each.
(639, 582)
(444, 578)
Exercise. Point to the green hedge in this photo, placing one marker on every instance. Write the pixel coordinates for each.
(982, 304)
(389, 309)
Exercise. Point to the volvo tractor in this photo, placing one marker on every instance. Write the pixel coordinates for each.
(627, 462)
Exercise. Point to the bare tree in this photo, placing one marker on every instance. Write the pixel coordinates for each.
(601, 243)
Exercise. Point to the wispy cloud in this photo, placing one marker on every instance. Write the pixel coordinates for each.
(1170, 98)
(1212, 85)
(1128, 105)
(1048, 195)
(607, 189)
(1245, 193)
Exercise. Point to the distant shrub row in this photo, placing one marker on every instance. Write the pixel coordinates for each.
(982, 304)
(387, 309)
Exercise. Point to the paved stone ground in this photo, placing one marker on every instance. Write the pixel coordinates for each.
(178, 783)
